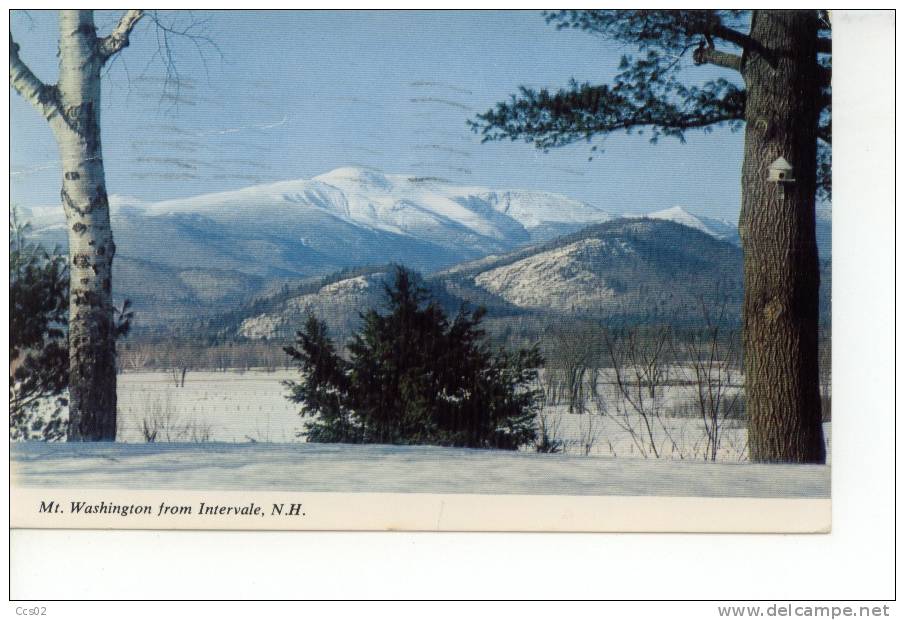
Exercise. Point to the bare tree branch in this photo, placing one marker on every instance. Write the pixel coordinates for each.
(27, 84)
(167, 34)
(119, 38)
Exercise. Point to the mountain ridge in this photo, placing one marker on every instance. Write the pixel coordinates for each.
(201, 256)
(637, 269)
(247, 240)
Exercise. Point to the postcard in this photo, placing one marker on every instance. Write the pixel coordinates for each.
(421, 270)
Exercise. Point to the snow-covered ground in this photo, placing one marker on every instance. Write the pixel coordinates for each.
(240, 407)
(396, 469)
(213, 406)
(232, 430)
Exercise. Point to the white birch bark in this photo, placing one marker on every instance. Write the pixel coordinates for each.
(72, 108)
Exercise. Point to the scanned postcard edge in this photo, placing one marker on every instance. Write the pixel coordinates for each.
(53, 508)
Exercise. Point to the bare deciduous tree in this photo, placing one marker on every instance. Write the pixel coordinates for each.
(590, 431)
(710, 362)
(548, 432)
(572, 367)
(641, 371)
(135, 356)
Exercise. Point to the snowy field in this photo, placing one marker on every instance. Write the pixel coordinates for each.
(236, 430)
(213, 406)
(397, 469)
(251, 407)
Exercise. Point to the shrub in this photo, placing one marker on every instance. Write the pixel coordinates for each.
(163, 423)
(415, 377)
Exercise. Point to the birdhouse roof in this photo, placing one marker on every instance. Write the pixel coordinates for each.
(781, 164)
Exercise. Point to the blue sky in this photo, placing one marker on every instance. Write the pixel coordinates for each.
(295, 94)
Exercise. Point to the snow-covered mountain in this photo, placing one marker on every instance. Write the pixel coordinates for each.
(719, 229)
(631, 268)
(636, 269)
(355, 216)
(182, 259)
(639, 267)
(210, 252)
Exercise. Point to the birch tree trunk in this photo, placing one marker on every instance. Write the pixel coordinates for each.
(92, 346)
(779, 242)
(72, 108)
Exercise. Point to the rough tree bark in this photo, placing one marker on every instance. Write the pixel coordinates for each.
(786, 109)
(72, 109)
(777, 229)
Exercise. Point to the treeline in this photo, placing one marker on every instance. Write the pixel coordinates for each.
(151, 355)
(141, 353)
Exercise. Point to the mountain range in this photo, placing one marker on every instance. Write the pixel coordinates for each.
(630, 269)
(179, 260)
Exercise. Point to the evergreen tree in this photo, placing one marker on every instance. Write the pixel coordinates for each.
(324, 386)
(38, 351)
(777, 86)
(415, 377)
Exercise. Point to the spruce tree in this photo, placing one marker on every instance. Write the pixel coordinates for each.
(324, 386)
(415, 377)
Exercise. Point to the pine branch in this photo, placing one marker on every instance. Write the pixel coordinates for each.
(582, 111)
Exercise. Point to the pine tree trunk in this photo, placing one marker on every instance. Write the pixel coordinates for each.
(92, 347)
(778, 240)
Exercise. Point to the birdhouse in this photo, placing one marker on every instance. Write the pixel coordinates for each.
(781, 171)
